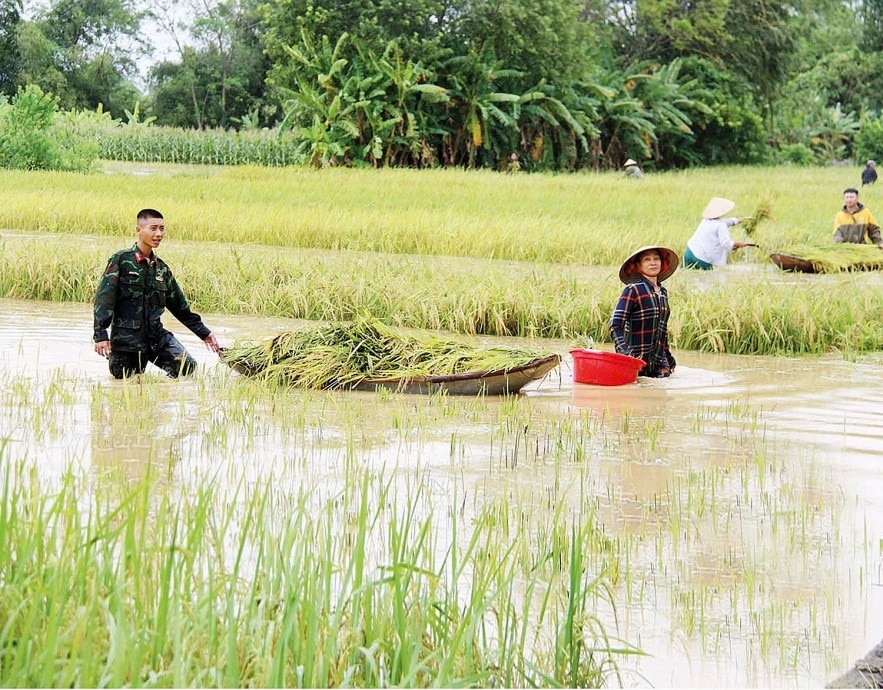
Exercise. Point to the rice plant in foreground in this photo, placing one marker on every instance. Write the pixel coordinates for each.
(106, 586)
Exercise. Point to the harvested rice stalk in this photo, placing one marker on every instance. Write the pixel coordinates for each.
(833, 258)
(761, 213)
(342, 354)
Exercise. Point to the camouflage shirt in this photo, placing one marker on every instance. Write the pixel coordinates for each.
(131, 297)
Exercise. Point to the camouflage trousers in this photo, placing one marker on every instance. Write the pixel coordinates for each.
(169, 355)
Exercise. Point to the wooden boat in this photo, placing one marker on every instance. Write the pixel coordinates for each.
(499, 382)
(789, 262)
(831, 259)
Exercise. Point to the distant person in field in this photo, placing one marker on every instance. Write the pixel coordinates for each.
(633, 170)
(639, 325)
(135, 290)
(854, 223)
(711, 243)
(869, 174)
(514, 165)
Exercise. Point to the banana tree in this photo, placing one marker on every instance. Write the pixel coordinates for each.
(668, 99)
(319, 106)
(404, 121)
(556, 127)
(626, 127)
(481, 126)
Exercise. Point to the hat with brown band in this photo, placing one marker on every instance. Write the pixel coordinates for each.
(629, 273)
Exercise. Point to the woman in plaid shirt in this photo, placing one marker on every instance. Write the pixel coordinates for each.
(639, 325)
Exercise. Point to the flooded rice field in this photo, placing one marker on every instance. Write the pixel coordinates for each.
(743, 497)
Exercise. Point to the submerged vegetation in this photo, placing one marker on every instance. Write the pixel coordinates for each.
(144, 586)
(211, 532)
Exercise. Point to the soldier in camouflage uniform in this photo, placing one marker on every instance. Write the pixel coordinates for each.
(137, 286)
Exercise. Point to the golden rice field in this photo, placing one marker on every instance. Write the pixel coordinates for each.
(222, 531)
(583, 219)
(471, 252)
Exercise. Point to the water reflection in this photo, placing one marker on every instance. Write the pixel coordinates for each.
(703, 479)
(128, 439)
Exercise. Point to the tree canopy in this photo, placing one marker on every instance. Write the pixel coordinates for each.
(562, 84)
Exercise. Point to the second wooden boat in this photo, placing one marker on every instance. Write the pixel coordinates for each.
(789, 262)
(832, 258)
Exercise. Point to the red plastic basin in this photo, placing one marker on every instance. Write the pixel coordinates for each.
(604, 368)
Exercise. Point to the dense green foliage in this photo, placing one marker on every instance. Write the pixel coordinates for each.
(564, 85)
(76, 51)
(31, 137)
(221, 82)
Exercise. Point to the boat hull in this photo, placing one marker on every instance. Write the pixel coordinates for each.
(469, 383)
(789, 262)
(500, 382)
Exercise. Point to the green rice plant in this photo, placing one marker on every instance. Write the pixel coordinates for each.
(151, 586)
(741, 315)
(472, 253)
(548, 219)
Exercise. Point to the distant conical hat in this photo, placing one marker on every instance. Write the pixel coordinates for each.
(718, 207)
(630, 161)
(628, 272)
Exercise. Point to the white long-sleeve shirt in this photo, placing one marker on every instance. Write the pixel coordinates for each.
(712, 242)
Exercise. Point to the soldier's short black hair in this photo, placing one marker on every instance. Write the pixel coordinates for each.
(848, 189)
(146, 213)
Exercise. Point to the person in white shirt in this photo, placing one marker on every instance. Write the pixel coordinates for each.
(711, 244)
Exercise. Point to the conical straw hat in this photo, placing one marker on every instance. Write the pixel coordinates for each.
(630, 161)
(628, 272)
(718, 207)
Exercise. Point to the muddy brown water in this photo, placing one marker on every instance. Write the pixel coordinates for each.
(750, 489)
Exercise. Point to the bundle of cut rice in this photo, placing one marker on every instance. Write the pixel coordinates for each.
(341, 354)
(761, 213)
(832, 258)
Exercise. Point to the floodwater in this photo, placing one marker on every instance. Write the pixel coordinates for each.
(748, 490)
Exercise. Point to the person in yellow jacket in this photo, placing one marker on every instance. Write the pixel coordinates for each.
(854, 223)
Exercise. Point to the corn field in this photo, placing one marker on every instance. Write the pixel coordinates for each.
(201, 147)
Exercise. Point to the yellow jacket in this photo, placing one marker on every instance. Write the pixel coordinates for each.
(857, 227)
